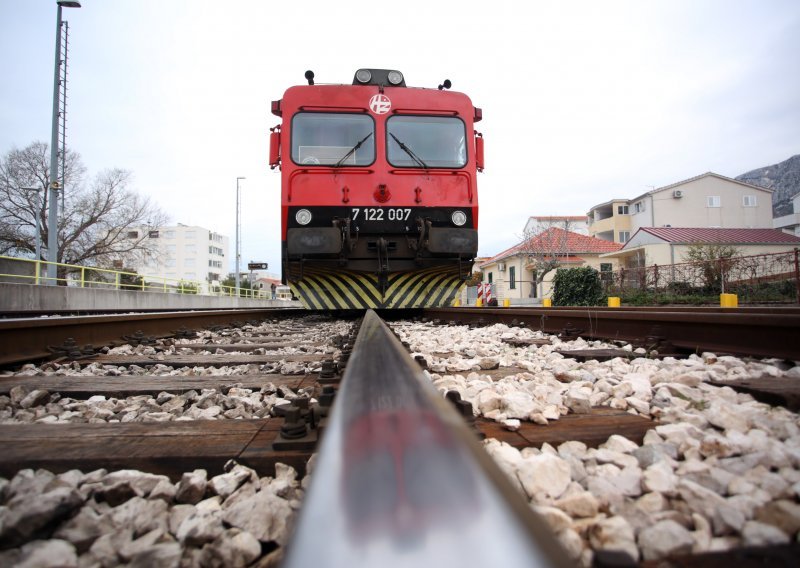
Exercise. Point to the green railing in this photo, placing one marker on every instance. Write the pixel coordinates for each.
(34, 272)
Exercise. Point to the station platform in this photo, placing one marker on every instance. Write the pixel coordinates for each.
(21, 298)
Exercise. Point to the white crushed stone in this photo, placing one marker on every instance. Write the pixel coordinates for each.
(717, 471)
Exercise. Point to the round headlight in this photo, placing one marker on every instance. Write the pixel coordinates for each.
(363, 75)
(395, 77)
(459, 218)
(303, 217)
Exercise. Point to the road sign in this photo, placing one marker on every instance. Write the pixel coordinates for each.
(257, 266)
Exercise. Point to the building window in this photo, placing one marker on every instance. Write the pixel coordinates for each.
(713, 201)
(624, 236)
(170, 248)
(490, 278)
(170, 262)
(169, 234)
(153, 234)
(133, 234)
(189, 234)
(749, 201)
(188, 262)
(622, 209)
(606, 271)
(512, 277)
(190, 249)
(638, 207)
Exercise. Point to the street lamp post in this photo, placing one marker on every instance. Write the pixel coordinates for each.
(238, 232)
(52, 226)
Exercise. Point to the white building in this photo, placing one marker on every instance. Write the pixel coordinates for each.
(573, 223)
(187, 253)
(790, 223)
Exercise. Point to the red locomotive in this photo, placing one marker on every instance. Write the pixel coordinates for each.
(379, 198)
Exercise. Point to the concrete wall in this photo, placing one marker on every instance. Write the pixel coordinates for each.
(22, 297)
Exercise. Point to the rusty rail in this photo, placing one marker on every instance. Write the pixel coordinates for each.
(27, 340)
(760, 332)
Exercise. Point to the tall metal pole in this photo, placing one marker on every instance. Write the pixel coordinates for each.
(52, 226)
(238, 232)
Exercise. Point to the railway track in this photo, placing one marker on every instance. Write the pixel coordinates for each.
(30, 339)
(239, 403)
(758, 331)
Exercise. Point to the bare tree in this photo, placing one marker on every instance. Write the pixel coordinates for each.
(545, 245)
(102, 221)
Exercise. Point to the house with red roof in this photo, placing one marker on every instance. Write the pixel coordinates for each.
(669, 245)
(525, 271)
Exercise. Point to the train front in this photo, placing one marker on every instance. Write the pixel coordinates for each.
(379, 197)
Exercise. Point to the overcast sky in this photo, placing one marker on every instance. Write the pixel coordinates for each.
(582, 101)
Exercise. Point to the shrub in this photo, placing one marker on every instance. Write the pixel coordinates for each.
(577, 287)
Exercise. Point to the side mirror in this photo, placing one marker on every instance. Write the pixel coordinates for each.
(479, 150)
(275, 147)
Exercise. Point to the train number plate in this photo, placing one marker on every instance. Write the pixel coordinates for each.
(381, 213)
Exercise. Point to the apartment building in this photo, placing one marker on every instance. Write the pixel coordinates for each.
(186, 252)
(705, 201)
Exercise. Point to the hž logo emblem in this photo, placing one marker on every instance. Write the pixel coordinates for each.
(380, 104)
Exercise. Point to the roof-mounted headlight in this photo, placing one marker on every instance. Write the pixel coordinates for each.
(395, 77)
(363, 76)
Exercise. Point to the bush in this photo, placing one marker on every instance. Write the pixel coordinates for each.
(577, 287)
(185, 287)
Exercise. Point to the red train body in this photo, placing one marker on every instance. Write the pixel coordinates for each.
(379, 197)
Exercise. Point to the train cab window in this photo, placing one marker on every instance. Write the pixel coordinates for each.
(426, 142)
(333, 139)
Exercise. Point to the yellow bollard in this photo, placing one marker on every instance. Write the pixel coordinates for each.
(613, 302)
(506, 303)
(547, 303)
(728, 301)
(478, 302)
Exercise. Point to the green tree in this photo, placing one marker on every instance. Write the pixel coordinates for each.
(714, 261)
(230, 282)
(577, 287)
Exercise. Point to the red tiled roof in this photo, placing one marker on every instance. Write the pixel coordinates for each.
(551, 241)
(731, 236)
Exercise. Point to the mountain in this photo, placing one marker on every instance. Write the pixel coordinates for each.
(784, 178)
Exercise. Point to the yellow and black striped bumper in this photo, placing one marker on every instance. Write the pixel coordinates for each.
(321, 289)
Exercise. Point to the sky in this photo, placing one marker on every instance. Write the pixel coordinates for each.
(583, 101)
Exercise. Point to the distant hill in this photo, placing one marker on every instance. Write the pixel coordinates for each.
(783, 178)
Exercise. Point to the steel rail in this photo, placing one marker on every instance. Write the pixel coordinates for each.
(767, 333)
(401, 481)
(28, 339)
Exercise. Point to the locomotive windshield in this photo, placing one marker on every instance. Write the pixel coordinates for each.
(330, 139)
(426, 141)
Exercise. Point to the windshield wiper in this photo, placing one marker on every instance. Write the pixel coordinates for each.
(351, 150)
(408, 151)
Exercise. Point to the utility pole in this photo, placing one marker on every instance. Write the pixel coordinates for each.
(238, 232)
